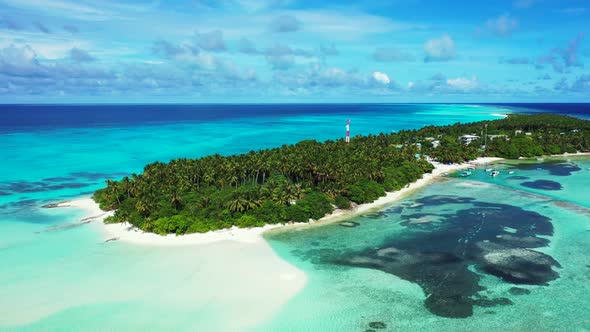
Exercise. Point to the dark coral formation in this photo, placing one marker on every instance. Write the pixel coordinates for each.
(518, 291)
(21, 187)
(376, 215)
(377, 325)
(555, 167)
(56, 183)
(395, 210)
(518, 265)
(517, 177)
(494, 238)
(350, 224)
(542, 184)
(485, 302)
(24, 204)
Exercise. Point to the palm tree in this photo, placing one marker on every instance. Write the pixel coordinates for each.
(204, 202)
(126, 186)
(175, 200)
(237, 204)
(142, 207)
(253, 203)
(113, 191)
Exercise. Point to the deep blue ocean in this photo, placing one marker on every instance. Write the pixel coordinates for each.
(36, 117)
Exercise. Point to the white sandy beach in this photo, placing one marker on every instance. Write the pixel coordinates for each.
(233, 283)
(127, 233)
(577, 154)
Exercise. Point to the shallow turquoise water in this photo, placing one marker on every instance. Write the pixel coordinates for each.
(55, 279)
(574, 185)
(349, 298)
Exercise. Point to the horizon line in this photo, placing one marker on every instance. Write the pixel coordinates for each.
(291, 103)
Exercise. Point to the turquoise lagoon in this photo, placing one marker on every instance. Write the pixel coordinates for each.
(56, 277)
(344, 297)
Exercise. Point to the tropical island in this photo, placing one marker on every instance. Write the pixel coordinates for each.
(310, 179)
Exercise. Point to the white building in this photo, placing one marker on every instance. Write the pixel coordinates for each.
(467, 139)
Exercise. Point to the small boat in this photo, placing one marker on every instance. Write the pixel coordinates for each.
(495, 173)
(511, 172)
(489, 169)
(465, 173)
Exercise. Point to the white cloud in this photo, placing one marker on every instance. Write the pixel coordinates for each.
(440, 49)
(386, 54)
(80, 55)
(463, 83)
(46, 46)
(335, 76)
(381, 77)
(75, 9)
(348, 26)
(205, 61)
(503, 25)
(281, 56)
(246, 46)
(18, 57)
(211, 41)
(333, 25)
(285, 23)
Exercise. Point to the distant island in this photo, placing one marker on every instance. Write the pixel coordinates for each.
(309, 179)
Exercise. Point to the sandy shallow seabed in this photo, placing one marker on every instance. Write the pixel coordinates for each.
(204, 270)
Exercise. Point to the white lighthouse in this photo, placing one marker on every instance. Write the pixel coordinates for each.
(347, 131)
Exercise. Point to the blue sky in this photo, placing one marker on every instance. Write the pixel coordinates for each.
(191, 51)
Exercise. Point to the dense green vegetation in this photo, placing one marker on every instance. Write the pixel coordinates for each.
(525, 136)
(309, 179)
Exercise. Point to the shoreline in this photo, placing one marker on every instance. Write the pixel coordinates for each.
(577, 154)
(127, 233)
(439, 172)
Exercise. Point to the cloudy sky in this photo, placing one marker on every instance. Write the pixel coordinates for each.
(54, 51)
